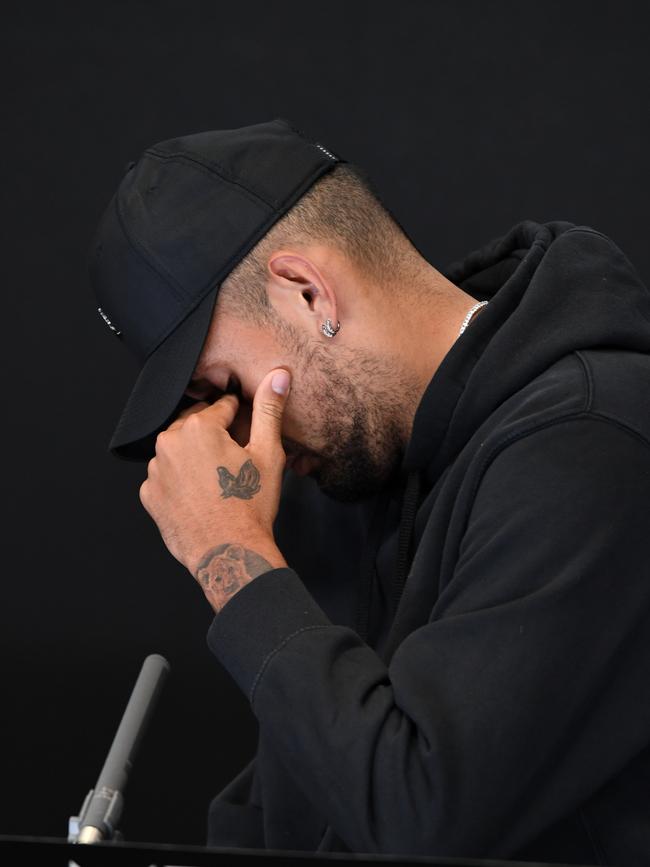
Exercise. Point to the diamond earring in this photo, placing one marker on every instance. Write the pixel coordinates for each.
(330, 330)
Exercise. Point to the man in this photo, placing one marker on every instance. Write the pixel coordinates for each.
(454, 659)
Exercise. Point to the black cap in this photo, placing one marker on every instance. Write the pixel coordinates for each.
(182, 218)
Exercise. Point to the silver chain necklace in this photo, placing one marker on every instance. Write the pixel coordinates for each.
(469, 315)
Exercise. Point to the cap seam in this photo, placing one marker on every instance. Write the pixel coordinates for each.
(142, 256)
(150, 260)
(215, 168)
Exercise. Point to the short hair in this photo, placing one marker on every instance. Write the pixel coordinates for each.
(341, 208)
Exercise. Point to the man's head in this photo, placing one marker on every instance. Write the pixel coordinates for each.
(223, 253)
(338, 255)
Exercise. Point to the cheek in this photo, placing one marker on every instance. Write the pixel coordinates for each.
(301, 421)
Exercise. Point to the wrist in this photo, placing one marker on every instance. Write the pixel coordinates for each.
(223, 570)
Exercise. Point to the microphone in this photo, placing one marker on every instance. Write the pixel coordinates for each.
(102, 807)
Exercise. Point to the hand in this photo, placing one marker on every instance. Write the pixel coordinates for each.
(215, 501)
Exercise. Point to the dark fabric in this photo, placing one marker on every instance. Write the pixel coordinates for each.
(503, 710)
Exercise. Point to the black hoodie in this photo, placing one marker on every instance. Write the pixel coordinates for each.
(490, 697)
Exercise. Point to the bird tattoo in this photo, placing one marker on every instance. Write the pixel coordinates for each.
(244, 485)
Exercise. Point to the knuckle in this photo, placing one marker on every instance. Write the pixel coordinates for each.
(162, 440)
(268, 407)
(193, 421)
(278, 450)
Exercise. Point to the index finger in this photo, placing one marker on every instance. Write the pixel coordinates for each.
(223, 410)
(199, 406)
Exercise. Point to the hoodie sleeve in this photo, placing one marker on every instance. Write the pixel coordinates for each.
(521, 696)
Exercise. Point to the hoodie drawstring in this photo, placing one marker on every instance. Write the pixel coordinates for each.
(368, 564)
(410, 504)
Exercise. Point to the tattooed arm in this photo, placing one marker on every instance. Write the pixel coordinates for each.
(224, 570)
(215, 501)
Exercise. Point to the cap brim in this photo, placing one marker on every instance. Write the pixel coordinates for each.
(158, 393)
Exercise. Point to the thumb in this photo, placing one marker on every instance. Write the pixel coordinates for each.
(268, 409)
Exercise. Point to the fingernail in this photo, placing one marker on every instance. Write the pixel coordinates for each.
(280, 382)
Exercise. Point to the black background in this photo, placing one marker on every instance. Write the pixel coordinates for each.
(469, 116)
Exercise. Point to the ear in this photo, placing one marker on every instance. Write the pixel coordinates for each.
(301, 291)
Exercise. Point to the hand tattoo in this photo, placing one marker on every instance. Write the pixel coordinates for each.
(244, 485)
(226, 569)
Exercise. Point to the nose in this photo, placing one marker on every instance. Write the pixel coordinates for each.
(211, 388)
(201, 389)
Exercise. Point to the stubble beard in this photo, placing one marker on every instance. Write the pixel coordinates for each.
(358, 409)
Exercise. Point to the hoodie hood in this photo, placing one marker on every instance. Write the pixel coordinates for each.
(552, 288)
